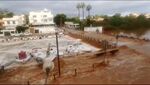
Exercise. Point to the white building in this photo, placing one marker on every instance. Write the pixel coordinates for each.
(41, 17)
(147, 15)
(1, 24)
(134, 14)
(94, 29)
(71, 25)
(11, 23)
(97, 18)
(42, 21)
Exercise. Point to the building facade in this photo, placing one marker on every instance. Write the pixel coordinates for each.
(134, 14)
(1, 24)
(147, 15)
(41, 21)
(71, 25)
(11, 23)
(43, 17)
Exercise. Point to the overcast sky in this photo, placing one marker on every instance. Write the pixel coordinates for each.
(69, 6)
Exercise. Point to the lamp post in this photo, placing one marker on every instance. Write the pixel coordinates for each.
(58, 60)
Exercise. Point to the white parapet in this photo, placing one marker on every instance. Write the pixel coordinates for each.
(93, 29)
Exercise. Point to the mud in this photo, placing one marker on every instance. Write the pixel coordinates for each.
(128, 66)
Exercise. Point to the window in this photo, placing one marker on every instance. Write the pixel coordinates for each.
(8, 22)
(45, 20)
(14, 22)
(34, 16)
(1, 32)
(12, 32)
(36, 31)
(50, 19)
(34, 20)
(45, 16)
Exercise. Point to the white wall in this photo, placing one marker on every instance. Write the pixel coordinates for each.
(93, 29)
(41, 17)
(45, 29)
(11, 23)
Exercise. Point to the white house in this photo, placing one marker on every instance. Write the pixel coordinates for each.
(42, 21)
(97, 18)
(134, 14)
(71, 25)
(43, 17)
(11, 23)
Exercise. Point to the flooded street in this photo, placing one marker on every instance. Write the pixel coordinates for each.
(129, 65)
(9, 51)
(46, 42)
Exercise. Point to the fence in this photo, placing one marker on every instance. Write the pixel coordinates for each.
(71, 72)
(91, 40)
(24, 38)
(78, 71)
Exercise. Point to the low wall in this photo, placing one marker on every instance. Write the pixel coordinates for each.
(90, 40)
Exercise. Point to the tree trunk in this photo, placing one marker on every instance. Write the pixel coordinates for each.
(79, 13)
(89, 13)
(83, 13)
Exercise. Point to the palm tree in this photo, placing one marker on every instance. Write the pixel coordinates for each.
(78, 7)
(88, 8)
(82, 6)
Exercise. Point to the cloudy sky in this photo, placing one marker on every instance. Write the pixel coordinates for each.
(69, 6)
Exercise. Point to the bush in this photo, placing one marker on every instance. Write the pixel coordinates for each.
(60, 19)
(21, 29)
(129, 24)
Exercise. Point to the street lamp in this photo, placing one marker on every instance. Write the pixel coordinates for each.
(58, 60)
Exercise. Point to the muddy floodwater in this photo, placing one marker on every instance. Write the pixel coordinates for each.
(9, 50)
(130, 65)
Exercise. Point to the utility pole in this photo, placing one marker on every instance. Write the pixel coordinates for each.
(58, 60)
(48, 50)
(104, 47)
(117, 36)
(61, 21)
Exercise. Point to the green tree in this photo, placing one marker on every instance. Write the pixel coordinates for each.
(21, 29)
(78, 7)
(83, 7)
(9, 14)
(73, 19)
(5, 13)
(82, 24)
(129, 24)
(116, 20)
(60, 19)
(88, 8)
